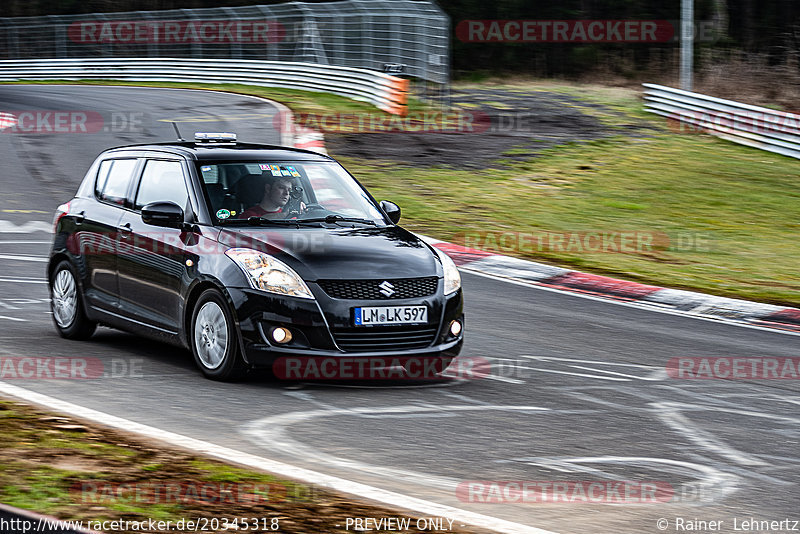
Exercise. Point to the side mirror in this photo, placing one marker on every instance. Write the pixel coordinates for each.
(166, 214)
(391, 209)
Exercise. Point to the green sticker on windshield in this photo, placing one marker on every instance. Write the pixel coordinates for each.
(223, 214)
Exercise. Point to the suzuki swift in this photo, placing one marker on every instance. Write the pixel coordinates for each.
(247, 254)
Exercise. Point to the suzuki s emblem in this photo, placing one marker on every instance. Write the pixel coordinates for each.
(387, 288)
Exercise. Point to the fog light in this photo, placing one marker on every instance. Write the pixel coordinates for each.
(281, 335)
(455, 328)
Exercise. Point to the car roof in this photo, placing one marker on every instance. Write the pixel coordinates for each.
(229, 152)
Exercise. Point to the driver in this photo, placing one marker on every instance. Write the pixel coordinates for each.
(277, 191)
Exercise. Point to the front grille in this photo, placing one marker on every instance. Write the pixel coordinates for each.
(402, 288)
(379, 338)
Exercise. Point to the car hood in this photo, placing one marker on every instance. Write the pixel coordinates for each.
(345, 253)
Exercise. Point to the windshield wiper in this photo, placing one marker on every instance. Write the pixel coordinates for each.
(332, 219)
(259, 221)
(263, 221)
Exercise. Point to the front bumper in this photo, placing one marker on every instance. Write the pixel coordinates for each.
(323, 328)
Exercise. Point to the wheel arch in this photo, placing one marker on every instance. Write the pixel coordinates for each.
(54, 261)
(84, 324)
(188, 311)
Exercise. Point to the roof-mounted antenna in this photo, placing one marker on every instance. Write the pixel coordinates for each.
(180, 137)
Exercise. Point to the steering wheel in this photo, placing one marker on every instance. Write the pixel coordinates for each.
(315, 207)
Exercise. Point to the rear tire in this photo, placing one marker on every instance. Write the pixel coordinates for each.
(66, 303)
(213, 338)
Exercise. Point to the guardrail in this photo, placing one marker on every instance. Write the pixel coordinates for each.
(388, 93)
(758, 127)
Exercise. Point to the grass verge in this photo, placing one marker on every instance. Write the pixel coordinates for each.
(78, 471)
(724, 218)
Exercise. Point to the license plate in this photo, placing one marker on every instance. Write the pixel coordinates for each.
(383, 315)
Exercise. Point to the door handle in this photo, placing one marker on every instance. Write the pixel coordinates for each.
(125, 229)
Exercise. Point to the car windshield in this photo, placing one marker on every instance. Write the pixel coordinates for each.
(294, 191)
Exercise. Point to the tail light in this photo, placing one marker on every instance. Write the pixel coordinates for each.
(62, 210)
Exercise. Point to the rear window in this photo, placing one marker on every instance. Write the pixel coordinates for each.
(114, 179)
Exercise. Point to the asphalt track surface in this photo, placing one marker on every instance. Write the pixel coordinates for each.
(577, 390)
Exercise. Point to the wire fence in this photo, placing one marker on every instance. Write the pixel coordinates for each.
(371, 34)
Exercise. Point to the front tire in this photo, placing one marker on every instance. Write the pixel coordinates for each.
(66, 304)
(213, 338)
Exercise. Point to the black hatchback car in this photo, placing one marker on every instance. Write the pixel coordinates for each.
(248, 255)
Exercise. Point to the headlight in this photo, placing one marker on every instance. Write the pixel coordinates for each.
(269, 274)
(452, 278)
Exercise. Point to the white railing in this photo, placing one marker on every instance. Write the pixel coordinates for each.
(364, 34)
(388, 93)
(758, 127)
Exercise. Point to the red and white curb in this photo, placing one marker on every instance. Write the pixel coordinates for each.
(679, 301)
(309, 139)
(294, 135)
(7, 120)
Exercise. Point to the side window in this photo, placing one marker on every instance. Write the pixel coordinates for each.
(162, 181)
(113, 180)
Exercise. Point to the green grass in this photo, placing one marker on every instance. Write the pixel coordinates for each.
(731, 213)
(36, 488)
(46, 468)
(217, 472)
(27, 480)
